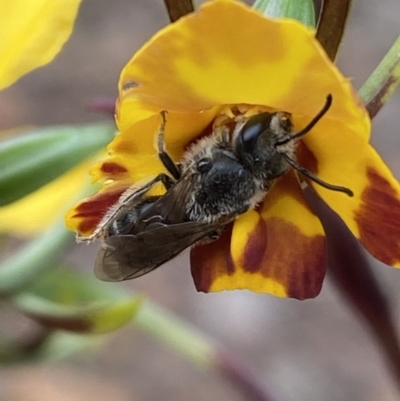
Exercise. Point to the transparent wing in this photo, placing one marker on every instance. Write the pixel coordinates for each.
(169, 208)
(156, 236)
(128, 200)
(125, 257)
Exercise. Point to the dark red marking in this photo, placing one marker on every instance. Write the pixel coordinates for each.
(97, 203)
(113, 168)
(212, 260)
(288, 256)
(378, 219)
(255, 247)
(76, 325)
(93, 210)
(89, 224)
(306, 158)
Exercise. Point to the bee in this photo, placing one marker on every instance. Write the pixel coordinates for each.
(219, 178)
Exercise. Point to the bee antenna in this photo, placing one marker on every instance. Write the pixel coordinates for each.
(311, 124)
(316, 179)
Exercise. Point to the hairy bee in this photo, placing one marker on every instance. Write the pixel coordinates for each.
(219, 178)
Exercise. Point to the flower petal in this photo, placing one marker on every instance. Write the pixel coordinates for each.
(373, 214)
(87, 214)
(132, 155)
(212, 61)
(35, 212)
(33, 32)
(279, 249)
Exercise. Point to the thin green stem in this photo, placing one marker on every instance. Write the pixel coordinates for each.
(301, 10)
(381, 84)
(176, 334)
(199, 349)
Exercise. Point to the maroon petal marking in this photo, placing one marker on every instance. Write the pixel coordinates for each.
(378, 219)
(112, 168)
(212, 260)
(92, 211)
(306, 158)
(256, 247)
(278, 250)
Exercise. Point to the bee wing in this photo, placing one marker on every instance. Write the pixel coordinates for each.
(128, 200)
(125, 257)
(170, 208)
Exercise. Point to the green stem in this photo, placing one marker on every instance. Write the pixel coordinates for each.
(37, 257)
(156, 322)
(381, 84)
(176, 334)
(199, 348)
(300, 10)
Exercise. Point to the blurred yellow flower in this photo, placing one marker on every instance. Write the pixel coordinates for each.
(33, 32)
(33, 213)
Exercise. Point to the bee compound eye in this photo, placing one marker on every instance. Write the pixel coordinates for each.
(204, 165)
(251, 131)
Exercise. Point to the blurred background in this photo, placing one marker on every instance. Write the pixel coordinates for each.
(311, 350)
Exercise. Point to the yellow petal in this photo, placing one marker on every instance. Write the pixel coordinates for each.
(279, 249)
(132, 155)
(33, 32)
(35, 212)
(228, 53)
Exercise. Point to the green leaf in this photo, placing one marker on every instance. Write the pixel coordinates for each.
(33, 159)
(61, 344)
(379, 87)
(301, 10)
(34, 259)
(72, 301)
(51, 346)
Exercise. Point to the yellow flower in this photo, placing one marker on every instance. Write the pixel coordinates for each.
(33, 32)
(35, 212)
(228, 55)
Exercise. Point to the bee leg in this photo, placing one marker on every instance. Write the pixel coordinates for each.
(165, 158)
(131, 195)
(166, 180)
(315, 178)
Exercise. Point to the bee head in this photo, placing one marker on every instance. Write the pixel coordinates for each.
(266, 145)
(257, 144)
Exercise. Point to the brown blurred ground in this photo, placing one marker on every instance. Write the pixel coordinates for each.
(313, 350)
